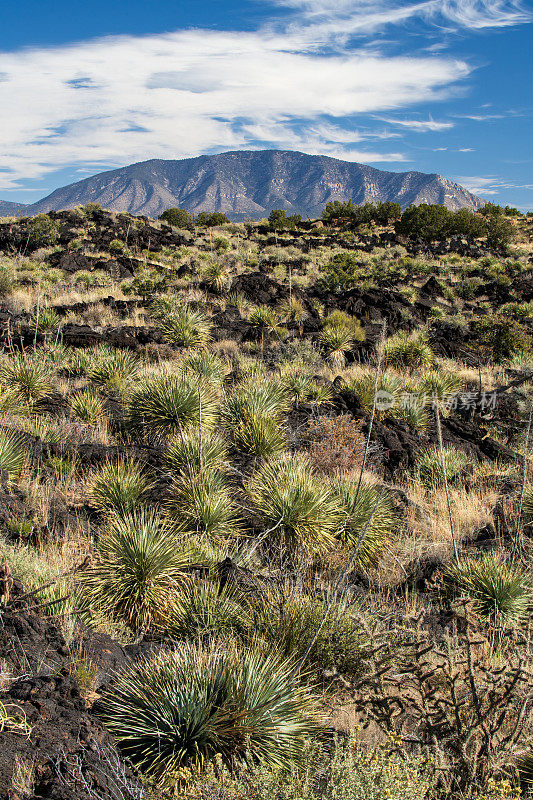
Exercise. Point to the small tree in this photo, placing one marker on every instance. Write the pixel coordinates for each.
(42, 231)
(500, 232)
(209, 219)
(178, 217)
(427, 222)
(341, 272)
(278, 219)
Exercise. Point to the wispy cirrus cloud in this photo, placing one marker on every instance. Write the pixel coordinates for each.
(421, 125)
(488, 185)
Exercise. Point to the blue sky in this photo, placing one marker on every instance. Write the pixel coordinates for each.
(437, 86)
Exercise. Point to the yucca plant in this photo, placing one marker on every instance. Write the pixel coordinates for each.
(440, 387)
(414, 414)
(264, 318)
(201, 505)
(114, 370)
(300, 508)
(119, 486)
(527, 503)
(297, 385)
(205, 365)
(429, 465)
(268, 398)
(55, 353)
(46, 320)
(183, 708)
(501, 592)
(217, 276)
(28, 377)
(10, 403)
(87, 406)
(388, 396)
(260, 436)
(238, 300)
(193, 451)
(362, 503)
(167, 404)
(319, 393)
(13, 453)
(139, 573)
(79, 362)
(337, 340)
(409, 350)
(45, 428)
(183, 326)
(291, 310)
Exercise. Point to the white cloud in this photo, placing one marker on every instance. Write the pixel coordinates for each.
(488, 185)
(360, 16)
(117, 100)
(293, 83)
(421, 125)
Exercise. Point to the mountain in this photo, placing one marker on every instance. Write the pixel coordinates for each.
(250, 183)
(8, 209)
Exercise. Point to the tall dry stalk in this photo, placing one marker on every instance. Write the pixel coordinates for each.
(445, 479)
(523, 489)
(374, 402)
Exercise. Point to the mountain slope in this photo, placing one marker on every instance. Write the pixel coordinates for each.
(8, 209)
(252, 183)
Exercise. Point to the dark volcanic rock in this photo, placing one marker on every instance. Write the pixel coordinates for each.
(72, 755)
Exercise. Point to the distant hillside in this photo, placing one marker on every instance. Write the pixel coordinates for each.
(250, 184)
(8, 209)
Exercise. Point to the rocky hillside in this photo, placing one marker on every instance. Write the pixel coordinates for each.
(250, 184)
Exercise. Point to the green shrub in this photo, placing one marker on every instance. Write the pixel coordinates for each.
(42, 231)
(146, 283)
(211, 219)
(505, 337)
(286, 619)
(348, 771)
(116, 246)
(185, 707)
(408, 350)
(205, 612)
(341, 272)
(178, 217)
